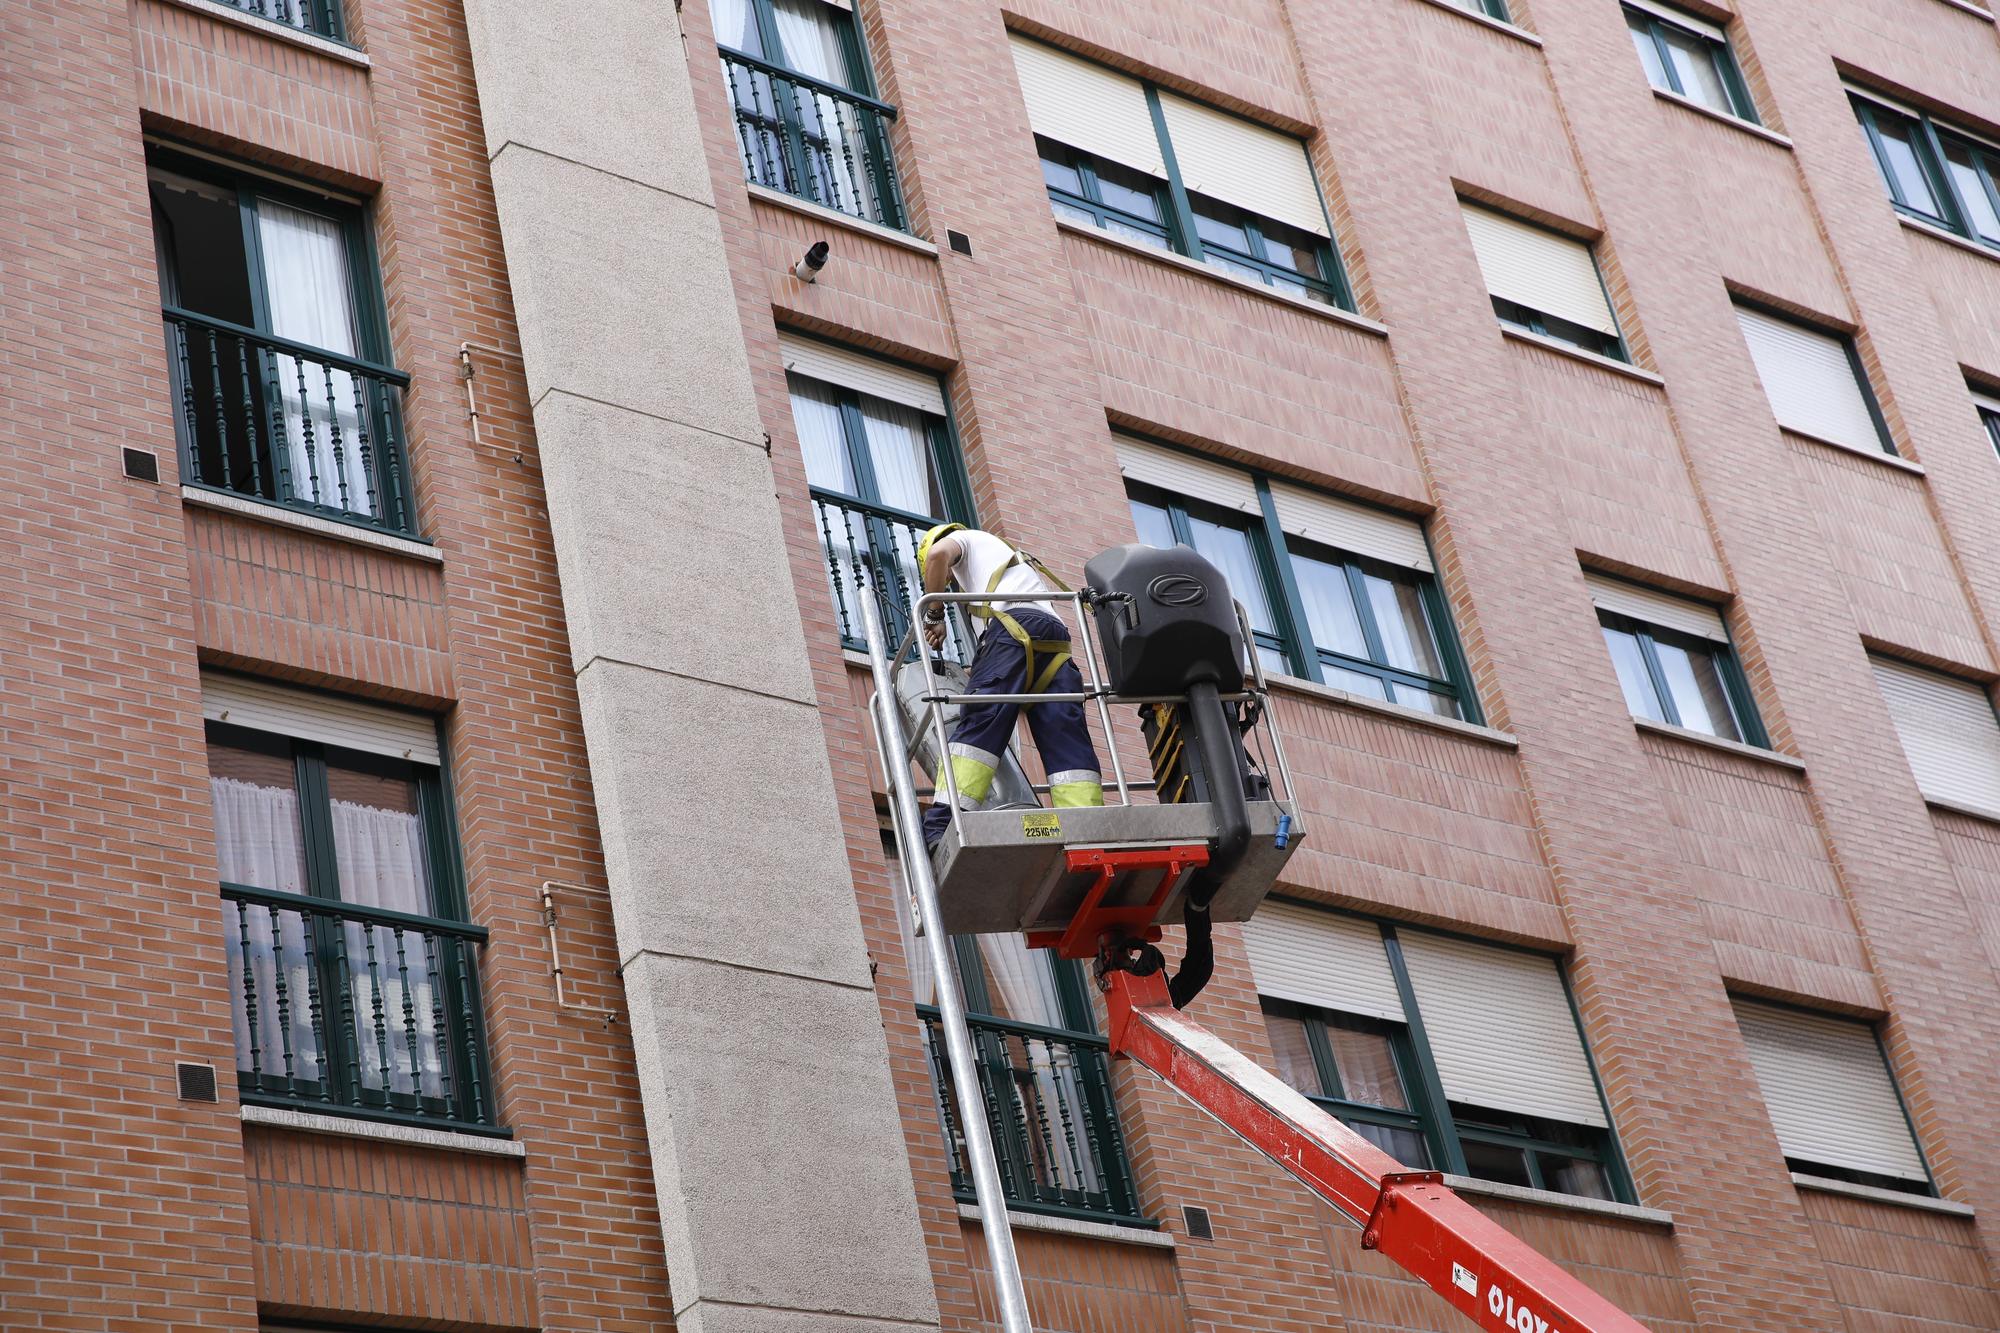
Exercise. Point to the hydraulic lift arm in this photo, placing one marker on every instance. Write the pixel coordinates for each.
(1411, 1217)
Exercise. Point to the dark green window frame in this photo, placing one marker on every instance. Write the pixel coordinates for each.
(469, 1105)
(1446, 1135)
(1658, 27)
(1272, 549)
(1180, 231)
(1089, 198)
(1933, 147)
(1989, 417)
(1735, 685)
(805, 165)
(1493, 9)
(322, 18)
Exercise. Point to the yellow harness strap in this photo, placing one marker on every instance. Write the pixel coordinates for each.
(1058, 650)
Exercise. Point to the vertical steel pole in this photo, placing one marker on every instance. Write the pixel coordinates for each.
(951, 1005)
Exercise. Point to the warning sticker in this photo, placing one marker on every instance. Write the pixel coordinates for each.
(1041, 824)
(1462, 1278)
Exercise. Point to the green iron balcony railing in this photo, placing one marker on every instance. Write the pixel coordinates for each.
(815, 140)
(356, 1010)
(315, 16)
(875, 545)
(299, 426)
(1046, 1096)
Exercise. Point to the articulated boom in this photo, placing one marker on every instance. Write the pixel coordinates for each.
(1486, 1272)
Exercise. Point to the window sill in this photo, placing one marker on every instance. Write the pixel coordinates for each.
(1469, 730)
(1972, 9)
(1624, 1212)
(1488, 21)
(281, 517)
(1738, 748)
(1557, 345)
(1169, 258)
(1969, 811)
(1895, 1198)
(834, 217)
(1736, 122)
(1882, 456)
(307, 1122)
(1931, 229)
(280, 32)
(1075, 1226)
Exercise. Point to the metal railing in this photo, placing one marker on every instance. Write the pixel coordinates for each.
(315, 16)
(814, 139)
(277, 420)
(355, 1010)
(871, 550)
(1046, 1096)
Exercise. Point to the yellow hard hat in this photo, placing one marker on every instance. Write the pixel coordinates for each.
(924, 546)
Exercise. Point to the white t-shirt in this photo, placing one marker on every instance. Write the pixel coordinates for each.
(979, 554)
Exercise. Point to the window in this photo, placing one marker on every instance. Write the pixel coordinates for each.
(883, 469)
(1674, 661)
(351, 964)
(807, 121)
(1336, 592)
(1988, 408)
(1124, 156)
(1495, 9)
(1689, 56)
(1827, 1086)
(277, 345)
(1415, 1040)
(1543, 282)
(1044, 1072)
(1814, 381)
(1949, 733)
(1945, 176)
(315, 16)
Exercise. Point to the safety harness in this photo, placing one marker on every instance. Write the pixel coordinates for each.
(1057, 650)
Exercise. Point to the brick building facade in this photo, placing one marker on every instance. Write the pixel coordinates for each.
(1589, 395)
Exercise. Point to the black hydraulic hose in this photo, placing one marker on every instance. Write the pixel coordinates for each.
(1222, 764)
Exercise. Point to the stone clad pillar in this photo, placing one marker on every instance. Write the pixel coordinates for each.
(778, 1154)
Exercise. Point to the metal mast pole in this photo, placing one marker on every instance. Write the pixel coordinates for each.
(951, 1005)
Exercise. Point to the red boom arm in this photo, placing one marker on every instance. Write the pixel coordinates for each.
(1486, 1272)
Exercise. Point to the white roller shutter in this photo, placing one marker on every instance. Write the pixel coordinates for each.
(1828, 1091)
(327, 718)
(1536, 268)
(1680, 18)
(1948, 732)
(1500, 1027)
(1353, 528)
(1087, 106)
(862, 373)
(1656, 608)
(1809, 380)
(1187, 474)
(1307, 956)
(1229, 158)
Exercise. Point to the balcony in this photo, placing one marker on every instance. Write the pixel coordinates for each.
(815, 140)
(869, 545)
(1046, 1095)
(355, 1010)
(280, 421)
(320, 17)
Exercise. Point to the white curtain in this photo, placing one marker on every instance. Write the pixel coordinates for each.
(808, 31)
(381, 859)
(258, 844)
(735, 25)
(311, 294)
(899, 449)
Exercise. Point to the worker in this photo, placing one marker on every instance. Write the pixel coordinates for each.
(1024, 649)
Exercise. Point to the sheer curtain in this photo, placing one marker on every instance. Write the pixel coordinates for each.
(311, 294)
(257, 843)
(382, 864)
(1047, 1085)
(809, 32)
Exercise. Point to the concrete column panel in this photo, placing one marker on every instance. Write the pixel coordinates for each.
(720, 834)
(605, 86)
(786, 1197)
(621, 294)
(660, 530)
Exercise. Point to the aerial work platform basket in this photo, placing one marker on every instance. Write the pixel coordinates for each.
(1204, 838)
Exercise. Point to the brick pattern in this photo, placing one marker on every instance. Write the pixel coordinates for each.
(364, 1231)
(1084, 1285)
(1896, 1269)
